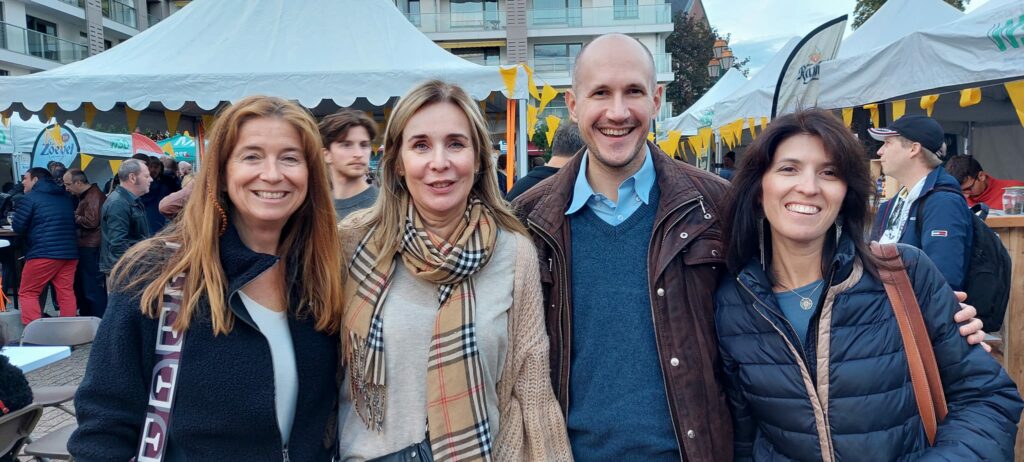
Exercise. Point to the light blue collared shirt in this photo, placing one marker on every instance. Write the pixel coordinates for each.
(633, 192)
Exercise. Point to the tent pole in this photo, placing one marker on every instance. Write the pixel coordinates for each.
(510, 143)
(521, 141)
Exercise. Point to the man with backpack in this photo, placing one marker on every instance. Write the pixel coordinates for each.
(929, 212)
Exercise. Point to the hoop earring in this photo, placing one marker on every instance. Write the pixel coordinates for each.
(839, 230)
(760, 241)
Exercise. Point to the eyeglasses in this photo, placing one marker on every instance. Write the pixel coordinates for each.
(967, 189)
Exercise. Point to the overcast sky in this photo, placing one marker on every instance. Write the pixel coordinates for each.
(760, 28)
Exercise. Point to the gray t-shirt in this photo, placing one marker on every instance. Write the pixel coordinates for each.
(360, 201)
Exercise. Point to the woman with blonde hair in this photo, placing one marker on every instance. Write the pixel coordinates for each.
(443, 327)
(221, 332)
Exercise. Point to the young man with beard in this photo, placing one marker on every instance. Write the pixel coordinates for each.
(347, 135)
(634, 355)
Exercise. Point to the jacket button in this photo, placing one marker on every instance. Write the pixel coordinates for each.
(691, 434)
(714, 252)
(674, 362)
(661, 292)
(684, 236)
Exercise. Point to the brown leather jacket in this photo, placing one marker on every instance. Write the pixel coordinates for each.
(685, 259)
(87, 217)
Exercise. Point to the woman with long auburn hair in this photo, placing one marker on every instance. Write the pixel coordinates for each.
(220, 339)
(445, 352)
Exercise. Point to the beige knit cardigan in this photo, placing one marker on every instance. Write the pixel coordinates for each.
(531, 426)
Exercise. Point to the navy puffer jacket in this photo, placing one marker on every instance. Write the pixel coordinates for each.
(846, 394)
(46, 217)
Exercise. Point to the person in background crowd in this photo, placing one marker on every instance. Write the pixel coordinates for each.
(943, 228)
(123, 220)
(174, 203)
(89, 288)
(564, 146)
(976, 184)
(171, 170)
(185, 173)
(812, 353)
(346, 136)
(255, 269)
(500, 171)
(47, 220)
(15, 392)
(728, 166)
(443, 301)
(58, 175)
(159, 189)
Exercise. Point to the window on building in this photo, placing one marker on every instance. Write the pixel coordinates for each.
(557, 12)
(555, 57)
(627, 9)
(4, 72)
(485, 56)
(411, 9)
(42, 38)
(474, 14)
(107, 44)
(3, 28)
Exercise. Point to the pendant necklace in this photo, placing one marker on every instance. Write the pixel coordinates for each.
(805, 302)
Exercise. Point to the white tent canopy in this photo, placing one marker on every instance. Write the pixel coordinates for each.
(700, 113)
(893, 21)
(224, 50)
(754, 98)
(969, 51)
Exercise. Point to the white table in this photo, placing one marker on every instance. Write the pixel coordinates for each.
(30, 358)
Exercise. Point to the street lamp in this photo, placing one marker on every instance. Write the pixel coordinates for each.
(714, 68)
(723, 59)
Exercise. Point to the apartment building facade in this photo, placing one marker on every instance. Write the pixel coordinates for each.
(38, 35)
(546, 34)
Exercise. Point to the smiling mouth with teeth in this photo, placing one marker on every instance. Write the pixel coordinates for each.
(803, 209)
(271, 195)
(615, 132)
(442, 184)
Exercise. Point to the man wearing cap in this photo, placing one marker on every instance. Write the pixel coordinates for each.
(928, 212)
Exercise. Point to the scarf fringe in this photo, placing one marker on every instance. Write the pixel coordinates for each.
(370, 398)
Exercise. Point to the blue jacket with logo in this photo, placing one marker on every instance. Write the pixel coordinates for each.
(46, 217)
(943, 229)
(844, 393)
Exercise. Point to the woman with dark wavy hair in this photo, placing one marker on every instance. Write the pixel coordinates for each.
(814, 361)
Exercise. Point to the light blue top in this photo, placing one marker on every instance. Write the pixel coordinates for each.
(274, 326)
(633, 192)
(790, 304)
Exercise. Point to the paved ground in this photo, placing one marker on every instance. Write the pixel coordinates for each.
(67, 371)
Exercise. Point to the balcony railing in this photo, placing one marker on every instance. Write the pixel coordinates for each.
(563, 66)
(40, 45)
(488, 61)
(78, 3)
(458, 22)
(609, 16)
(120, 12)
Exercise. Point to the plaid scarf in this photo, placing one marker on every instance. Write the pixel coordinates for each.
(456, 407)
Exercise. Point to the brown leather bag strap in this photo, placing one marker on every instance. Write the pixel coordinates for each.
(924, 370)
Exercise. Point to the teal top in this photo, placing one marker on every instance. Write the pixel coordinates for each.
(796, 310)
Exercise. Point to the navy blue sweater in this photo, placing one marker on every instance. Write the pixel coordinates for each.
(618, 409)
(46, 218)
(224, 408)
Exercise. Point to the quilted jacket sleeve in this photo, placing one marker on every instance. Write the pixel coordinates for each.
(984, 405)
(744, 428)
